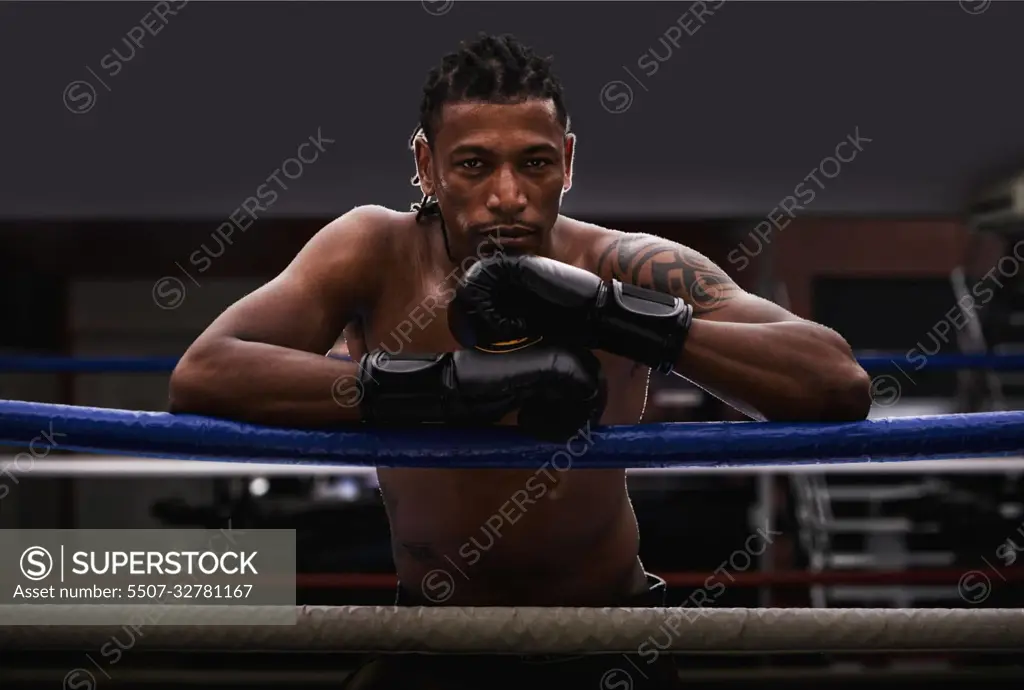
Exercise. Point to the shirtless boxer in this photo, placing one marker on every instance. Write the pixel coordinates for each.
(494, 158)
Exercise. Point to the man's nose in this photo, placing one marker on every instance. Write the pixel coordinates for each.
(506, 197)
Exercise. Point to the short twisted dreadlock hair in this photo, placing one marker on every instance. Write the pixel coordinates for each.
(492, 69)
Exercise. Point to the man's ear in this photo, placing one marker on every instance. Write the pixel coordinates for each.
(570, 152)
(424, 156)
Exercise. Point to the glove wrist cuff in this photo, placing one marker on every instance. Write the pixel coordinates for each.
(404, 389)
(644, 325)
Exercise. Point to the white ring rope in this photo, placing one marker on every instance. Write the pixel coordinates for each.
(120, 466)
(537, 630)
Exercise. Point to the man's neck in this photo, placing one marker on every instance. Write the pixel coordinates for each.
(438, 248)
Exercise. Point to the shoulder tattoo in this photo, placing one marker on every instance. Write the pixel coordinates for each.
(659, 264)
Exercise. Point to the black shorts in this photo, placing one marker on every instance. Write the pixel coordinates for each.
(614, 671)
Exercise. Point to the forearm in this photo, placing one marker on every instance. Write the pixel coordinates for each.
(784, 371)
(266, 384)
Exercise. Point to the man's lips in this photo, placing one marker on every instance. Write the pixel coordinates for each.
(509, 232)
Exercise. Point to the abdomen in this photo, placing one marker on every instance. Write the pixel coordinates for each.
(511, 531)
(499, 531)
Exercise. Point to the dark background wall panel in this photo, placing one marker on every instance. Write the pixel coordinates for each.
(865, 248)
(739, 114)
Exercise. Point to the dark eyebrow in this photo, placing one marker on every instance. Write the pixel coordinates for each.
(467, 150)
(470, 150)
(541, 148)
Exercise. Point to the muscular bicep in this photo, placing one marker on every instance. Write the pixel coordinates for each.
(310, 302)
(659, 264)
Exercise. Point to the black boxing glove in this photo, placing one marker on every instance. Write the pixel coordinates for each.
(531, 297)
(556, 391)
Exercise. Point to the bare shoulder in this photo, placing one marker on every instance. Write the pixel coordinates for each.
(580, 243)
(357, 236)
(605, 251)
(370, 227)
(346, 254)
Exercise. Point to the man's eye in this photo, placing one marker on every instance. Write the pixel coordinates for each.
(537, 162)
(472, 163)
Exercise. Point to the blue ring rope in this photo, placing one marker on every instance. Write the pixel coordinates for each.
(89, 365)
(951, 362)
(189, 437)
(894, 361)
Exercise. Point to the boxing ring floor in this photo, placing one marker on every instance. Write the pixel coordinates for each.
(332, 635)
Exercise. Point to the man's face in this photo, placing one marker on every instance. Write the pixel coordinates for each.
(498, 172)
